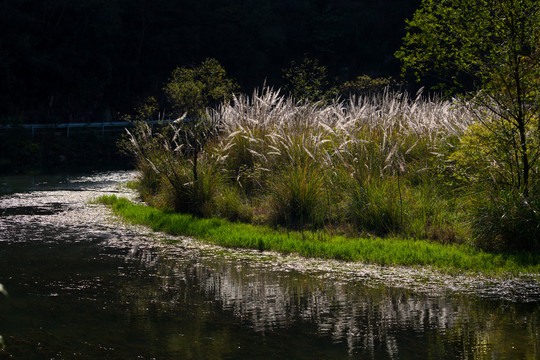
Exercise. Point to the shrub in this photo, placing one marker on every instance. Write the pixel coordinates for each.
(192, 90)
(297, 195)
(374, 206)
(231, 205)
(507, 221)
(306, 81)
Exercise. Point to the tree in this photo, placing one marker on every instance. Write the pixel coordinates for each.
(306, 81)
(495, 46)
(365, 85)
(192, 90)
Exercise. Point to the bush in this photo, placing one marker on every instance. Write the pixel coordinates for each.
(192, 90)
(507, 221)
(306, 81)
(483, 157)
(374, 206)
(231, 205)
(298, 196)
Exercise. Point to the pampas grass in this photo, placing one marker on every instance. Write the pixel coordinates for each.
(372, 136)
(357, 157)
(353, 163)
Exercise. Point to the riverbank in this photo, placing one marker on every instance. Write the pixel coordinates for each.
(382, 166)
(73, 269)
(382, 251)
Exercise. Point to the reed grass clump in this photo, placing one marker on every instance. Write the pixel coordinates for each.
(379, 165)
(266, 158)
(297, 196)
(374, 207)
(232, 205)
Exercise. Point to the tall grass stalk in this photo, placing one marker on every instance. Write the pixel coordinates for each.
(347, 164)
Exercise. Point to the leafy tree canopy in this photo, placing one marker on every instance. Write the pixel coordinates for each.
(455, 42)
(306, 81)
(496, 45)
(192, 90)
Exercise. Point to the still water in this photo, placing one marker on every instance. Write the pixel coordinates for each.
(83, 285)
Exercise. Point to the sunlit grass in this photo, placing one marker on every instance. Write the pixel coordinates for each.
(388, 165)
(387, 251)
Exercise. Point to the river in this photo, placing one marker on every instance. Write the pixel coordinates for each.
(84, 285)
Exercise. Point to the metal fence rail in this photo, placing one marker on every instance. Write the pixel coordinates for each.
(68, 126)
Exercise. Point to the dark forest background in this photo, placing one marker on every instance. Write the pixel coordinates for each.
(90, 60)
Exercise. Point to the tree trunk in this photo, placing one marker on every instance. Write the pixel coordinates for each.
(521, 128)
(524, 158)
(195, 156)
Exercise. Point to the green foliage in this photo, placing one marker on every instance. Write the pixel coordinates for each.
(149, 110)
(365, 85)
(485, 40)
(172, 173)
(190, 195)
(177, 172)
(430, 213)
(192, 90)
(507, 221)
(149, 183)
(374, 206)
(495, 43)
(486, 162)
(487, 156)
(306, 81)
(231, 205)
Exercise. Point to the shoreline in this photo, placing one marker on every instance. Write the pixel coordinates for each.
(453, 259)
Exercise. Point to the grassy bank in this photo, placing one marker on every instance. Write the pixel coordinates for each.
(387, 251)
(388, 166)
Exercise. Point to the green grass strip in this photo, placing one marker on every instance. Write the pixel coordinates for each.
(387, 251)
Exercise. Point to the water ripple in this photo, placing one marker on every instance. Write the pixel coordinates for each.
(363, 306)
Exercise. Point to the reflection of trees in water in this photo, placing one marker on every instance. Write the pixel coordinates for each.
(368, 320)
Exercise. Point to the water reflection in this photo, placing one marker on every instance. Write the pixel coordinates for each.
(84, 285)
(64, 181)
(381, 322)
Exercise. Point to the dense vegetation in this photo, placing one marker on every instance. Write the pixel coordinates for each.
(453, 171)
(377, 166)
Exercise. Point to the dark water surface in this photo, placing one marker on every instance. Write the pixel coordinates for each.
(84, 286)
